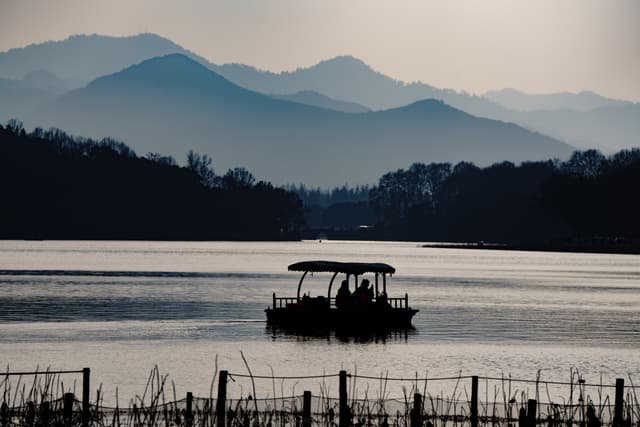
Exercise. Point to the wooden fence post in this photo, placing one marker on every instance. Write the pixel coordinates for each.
(416, 411)
(619, 403)
(86, 385)
(189, 415)
(344, 407)
(532, 406)
(222, 397)
(474, 401)
(67, 409)
(306, 409)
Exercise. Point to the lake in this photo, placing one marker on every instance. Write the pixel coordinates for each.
(122, 307)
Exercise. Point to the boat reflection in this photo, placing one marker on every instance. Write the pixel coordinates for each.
(305, 334)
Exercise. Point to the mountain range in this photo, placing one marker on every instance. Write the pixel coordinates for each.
(584, 120)
(171, 104)
(316, 99)
(328, 89)
(582, 101)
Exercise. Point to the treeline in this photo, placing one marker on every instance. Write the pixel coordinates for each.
(324, 198)
(340, 208)
(56, 186)
(588, 200)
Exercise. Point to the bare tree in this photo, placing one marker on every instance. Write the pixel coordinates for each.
(237, 178)
(160, 159)
(201, 165)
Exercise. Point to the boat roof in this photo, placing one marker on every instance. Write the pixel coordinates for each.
(342, 267)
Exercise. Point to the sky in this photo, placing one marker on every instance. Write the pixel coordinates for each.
(538, 46)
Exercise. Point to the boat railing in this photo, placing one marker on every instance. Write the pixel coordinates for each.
(280, 302)
(399, 302)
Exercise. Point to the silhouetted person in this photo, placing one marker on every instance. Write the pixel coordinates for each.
(364, 294)
(382, 300)
(343, 297)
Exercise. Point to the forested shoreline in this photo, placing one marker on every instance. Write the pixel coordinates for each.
(56, 186)
(589, 202)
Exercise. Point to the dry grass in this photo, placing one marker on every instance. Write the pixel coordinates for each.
(39, 401)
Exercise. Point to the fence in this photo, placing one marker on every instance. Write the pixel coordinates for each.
(49, 409)
(585, 405)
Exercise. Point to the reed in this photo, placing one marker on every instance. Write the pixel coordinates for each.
(39, 401)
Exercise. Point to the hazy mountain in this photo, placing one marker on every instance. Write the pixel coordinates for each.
(316, 99)
(47, 81)
(32, 75)
(80, 59)
(583, 101)
(349, 79)
(171, 104)
(585, 120)
(608, 128)
(19, 98)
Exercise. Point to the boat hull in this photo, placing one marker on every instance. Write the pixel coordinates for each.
(371, 317)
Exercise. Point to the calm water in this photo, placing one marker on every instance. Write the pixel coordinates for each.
(121, 307)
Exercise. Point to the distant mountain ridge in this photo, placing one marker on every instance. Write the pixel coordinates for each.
(316, 99)
(19, 98)
(81, 59)
(350, 79)
(172, 104)
(582, 101)
(608, 124)
(594, 121)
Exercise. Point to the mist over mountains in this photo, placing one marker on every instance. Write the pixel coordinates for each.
(238, 112)
(583, 101)
(81, 59)
(316, 99)
(584, 120)
(171, 104)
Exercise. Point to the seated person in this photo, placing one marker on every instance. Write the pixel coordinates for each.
(343, 297)
(364, 294)
(382, 299)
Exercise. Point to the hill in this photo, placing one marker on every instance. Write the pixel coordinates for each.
(59, 187)
(583, 101)
(172, 103)
(584, 120)
(81, 59)
(350, 79)
(316, 99)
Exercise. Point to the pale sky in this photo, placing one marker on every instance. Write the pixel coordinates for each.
(538, 46)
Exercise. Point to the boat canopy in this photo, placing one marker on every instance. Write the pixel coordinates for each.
(356, 268)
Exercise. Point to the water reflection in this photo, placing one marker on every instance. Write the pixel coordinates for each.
(121, 307)
(378, 336)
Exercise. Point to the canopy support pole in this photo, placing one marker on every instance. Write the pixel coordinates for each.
(330, 285)
(377, 285)
(300, 286)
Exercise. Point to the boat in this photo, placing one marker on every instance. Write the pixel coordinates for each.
(355, 307)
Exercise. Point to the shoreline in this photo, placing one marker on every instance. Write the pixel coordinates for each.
(628, 250)
(602, 246)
